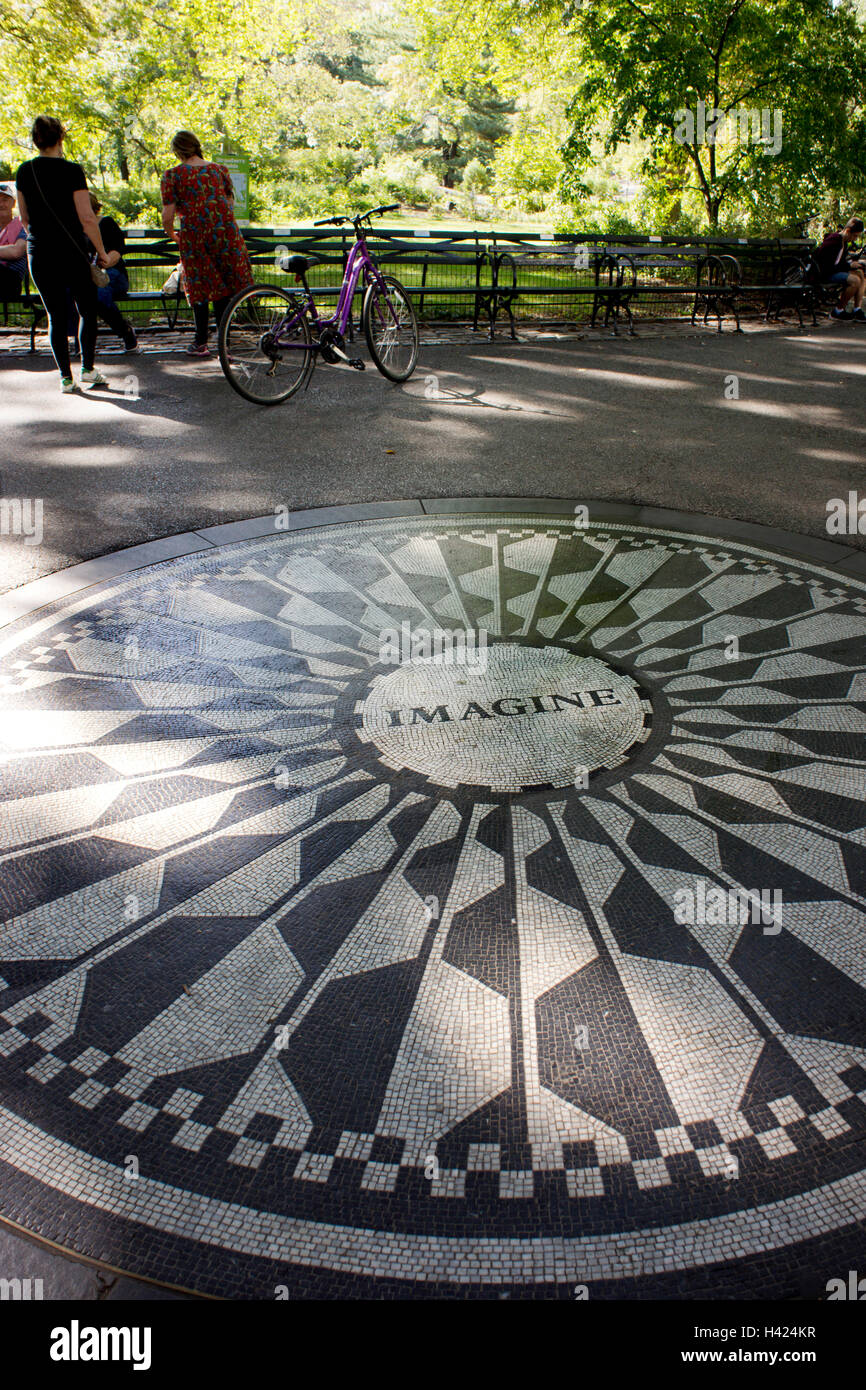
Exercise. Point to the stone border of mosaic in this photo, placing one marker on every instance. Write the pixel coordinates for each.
(28, 598)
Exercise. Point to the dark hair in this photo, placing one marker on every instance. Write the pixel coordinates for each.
(94, 201)
(46, 132)
(185, 145)
(856, 225)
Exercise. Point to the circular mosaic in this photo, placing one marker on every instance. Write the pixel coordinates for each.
(333, 963)
(503, 716)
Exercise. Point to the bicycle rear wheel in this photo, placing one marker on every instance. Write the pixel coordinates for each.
(391, 328)
(265, 344)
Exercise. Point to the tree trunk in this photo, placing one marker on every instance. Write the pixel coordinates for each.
(122, 161)
(450, 152)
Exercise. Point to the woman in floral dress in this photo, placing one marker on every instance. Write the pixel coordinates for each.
(215, 260)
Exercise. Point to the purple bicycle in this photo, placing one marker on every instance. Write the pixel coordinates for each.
(269, 337)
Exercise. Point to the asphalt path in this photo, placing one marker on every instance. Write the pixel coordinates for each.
(656, 420)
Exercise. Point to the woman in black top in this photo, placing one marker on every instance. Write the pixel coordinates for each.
(55, 208)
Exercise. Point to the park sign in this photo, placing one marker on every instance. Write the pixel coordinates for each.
(238, 166)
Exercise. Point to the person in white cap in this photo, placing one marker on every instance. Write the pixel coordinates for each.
(13, 245)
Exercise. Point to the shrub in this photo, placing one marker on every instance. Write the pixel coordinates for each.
(132, 204)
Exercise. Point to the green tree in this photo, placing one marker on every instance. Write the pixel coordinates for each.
(529, 162)
(624, 70)
(517, 54)
(534, 103)
(645, 63)
(454, 116)
(43, 45)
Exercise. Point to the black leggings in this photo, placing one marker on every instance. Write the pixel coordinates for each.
(52, 279)
(200, 316)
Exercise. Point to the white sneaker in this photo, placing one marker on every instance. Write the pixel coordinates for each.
(92, 378)
(67, 385)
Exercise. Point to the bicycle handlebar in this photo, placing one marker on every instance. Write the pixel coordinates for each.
(357, 219)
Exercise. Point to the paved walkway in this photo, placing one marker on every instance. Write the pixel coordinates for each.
(645, 421)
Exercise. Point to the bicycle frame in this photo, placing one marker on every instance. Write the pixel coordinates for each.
(359, 263)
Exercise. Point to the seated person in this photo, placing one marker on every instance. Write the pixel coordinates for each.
(13, 246)
(834, 267)
(114, 242)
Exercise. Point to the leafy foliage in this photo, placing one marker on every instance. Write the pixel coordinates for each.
(561, 109)
(643, 64)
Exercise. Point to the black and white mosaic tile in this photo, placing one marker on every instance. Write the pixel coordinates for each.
(341, 974)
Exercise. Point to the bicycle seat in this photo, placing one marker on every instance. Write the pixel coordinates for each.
(297, 265)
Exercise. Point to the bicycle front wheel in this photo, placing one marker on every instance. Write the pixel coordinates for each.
(391, 328)
(265, 344)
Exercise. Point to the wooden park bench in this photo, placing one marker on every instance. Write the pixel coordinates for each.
(785, 280)
(568, 277)
(614, 276)
(149, 256)
(717, 277)
(677, 273)
(800, 287)
(442, 270)
(574, 272)
(28, 302)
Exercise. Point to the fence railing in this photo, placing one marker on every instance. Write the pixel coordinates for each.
(462, 275)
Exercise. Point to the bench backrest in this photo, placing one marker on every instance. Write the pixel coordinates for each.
(150, 255)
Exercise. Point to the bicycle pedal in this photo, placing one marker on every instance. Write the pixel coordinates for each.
(357, 363)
